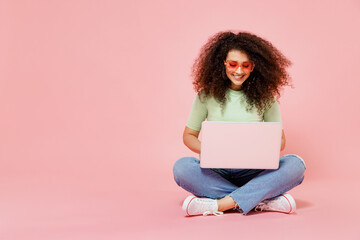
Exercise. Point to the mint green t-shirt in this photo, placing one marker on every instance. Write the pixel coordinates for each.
(234, 110)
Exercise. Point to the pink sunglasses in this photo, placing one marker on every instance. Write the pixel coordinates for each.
(234, 65)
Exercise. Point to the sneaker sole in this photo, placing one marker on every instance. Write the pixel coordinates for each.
(291, 201)
(186, 204)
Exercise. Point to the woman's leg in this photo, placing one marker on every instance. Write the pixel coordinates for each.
(250, 189)
(239, 177)
(202, 182)
(270, 183)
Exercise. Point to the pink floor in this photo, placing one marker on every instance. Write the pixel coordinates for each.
(61, 210)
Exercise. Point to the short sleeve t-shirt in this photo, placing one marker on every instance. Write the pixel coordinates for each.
(234, 110)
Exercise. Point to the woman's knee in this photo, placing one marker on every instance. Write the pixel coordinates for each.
(298, 157)
(182, 167)
(296, 165)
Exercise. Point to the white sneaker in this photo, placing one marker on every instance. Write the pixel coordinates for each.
(284, 203)
(200, 206)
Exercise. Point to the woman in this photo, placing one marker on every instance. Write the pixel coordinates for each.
(237, 77)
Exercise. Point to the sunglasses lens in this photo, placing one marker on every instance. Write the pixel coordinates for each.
(232, 65)
(246, 66)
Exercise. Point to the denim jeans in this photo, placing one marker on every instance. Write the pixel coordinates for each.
(247, 187)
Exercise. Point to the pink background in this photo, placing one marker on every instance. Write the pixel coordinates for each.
(94, 96)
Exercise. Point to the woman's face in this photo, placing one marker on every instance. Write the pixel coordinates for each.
(238, 68)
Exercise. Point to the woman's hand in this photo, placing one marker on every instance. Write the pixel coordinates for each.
(283, 141)
(190, 138)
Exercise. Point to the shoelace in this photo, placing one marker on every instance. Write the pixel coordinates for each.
(216, 213)
(261, 207)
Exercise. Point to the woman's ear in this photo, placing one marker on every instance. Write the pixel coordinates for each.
(253, 66)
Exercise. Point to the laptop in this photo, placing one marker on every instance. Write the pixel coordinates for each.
(243, 145)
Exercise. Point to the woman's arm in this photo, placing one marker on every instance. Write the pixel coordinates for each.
(283, 140)
(190, 138)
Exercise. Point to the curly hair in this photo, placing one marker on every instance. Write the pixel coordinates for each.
(264, 82)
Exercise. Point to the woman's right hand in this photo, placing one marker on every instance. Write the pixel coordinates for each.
(191, 140)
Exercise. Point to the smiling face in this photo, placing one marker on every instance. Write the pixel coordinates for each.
(238, 68)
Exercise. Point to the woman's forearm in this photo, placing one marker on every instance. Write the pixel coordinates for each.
(192, 142)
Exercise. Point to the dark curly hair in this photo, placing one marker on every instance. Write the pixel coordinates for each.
(264, 82)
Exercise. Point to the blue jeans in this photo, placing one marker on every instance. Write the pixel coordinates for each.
(247, 187)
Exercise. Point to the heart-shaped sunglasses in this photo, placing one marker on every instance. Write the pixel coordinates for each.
(234, 65)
